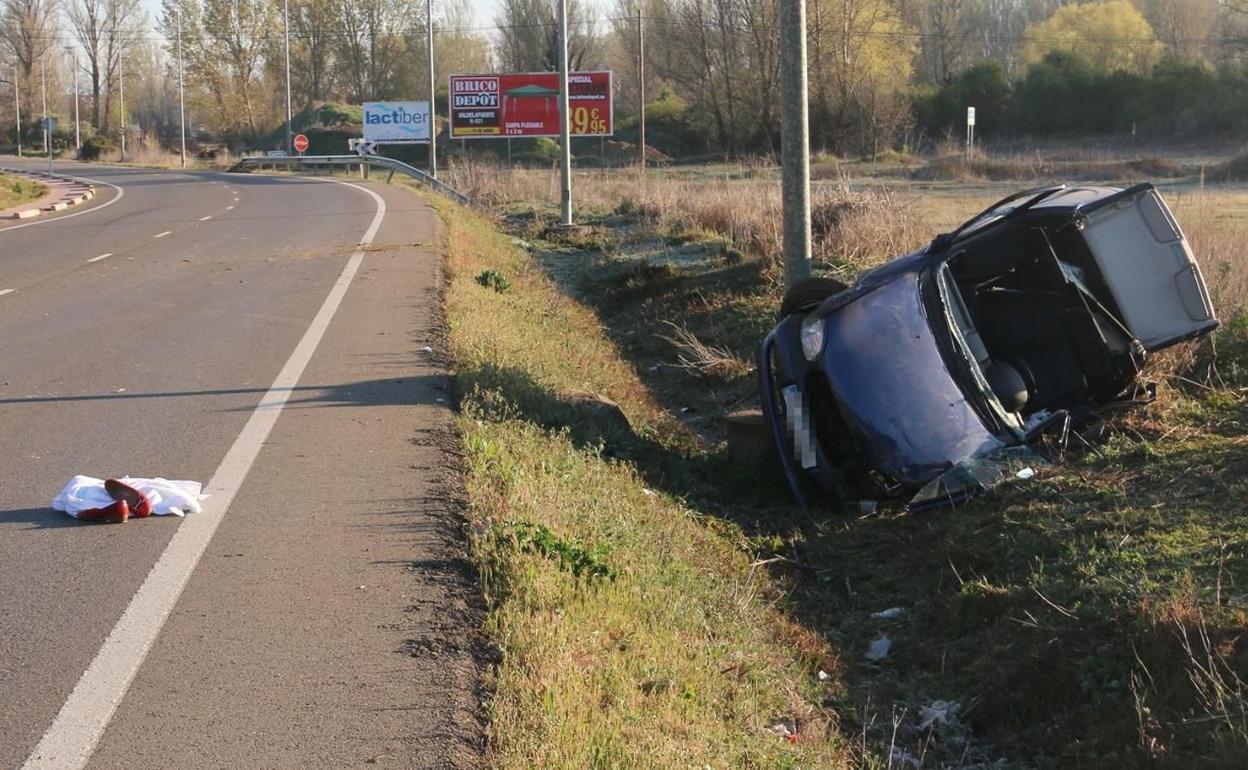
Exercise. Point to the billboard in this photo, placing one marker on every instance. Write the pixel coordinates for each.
(396, 122)
(527, 104)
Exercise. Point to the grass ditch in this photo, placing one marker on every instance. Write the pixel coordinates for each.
(14, 191)
(635, 630)
(1092, 616)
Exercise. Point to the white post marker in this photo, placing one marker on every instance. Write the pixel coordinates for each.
(970, 131)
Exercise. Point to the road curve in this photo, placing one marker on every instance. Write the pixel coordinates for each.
(329, 620)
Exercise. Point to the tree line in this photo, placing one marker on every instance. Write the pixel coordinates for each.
(883, 73)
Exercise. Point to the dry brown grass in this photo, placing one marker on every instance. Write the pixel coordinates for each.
(154, 156)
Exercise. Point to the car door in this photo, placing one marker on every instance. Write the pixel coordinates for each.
(1148, 267)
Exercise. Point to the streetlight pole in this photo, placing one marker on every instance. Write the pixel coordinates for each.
(17, 109)
(433, 105)
(47, 127)
(290, 150)
(121, 82)
(77, 126)
(565, 131)
(794, 141)
(181, 90)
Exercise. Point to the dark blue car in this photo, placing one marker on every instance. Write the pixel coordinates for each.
(1040, 309)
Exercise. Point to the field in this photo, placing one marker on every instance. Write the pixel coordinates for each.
(15, 191)
(656, 604)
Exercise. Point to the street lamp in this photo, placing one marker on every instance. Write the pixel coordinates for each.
(286, 25)
(181, 92)
(433, 111)
(17, 108)
(121, 85)
(77, 130)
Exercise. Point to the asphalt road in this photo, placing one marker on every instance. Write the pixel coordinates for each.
(328, 618)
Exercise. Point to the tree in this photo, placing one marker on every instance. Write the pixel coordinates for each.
(311, 56)
(372, 46)
(1111, 37)
(528, 38)
(26, 33)
(106, 30)
(1183, 25)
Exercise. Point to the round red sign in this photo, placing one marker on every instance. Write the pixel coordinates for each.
(301, 143)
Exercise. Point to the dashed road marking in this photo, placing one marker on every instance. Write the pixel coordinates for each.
(6, 291)
(229, 208)
(162, 235)
(102, 256)
(205, 219)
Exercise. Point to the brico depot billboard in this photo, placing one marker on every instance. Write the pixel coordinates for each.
(527, 104)
(396, 122)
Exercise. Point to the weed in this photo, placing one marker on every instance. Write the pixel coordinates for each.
(492, 279)
(589, 563)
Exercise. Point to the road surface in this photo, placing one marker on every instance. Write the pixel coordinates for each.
(231, 329)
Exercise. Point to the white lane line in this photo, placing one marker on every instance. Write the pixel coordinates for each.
(102, 256)
(92, 210)
(6, 291)
(162, 235)
(205, 219)
(73, 735)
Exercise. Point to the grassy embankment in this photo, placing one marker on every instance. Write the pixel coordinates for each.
(14, 191)
(1089, 617)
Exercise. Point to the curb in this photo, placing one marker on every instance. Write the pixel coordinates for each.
(65, 192)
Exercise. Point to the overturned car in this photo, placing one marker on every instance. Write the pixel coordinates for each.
(933, 367)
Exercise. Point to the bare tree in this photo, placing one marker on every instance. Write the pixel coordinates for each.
(106, 30)
(26, 33)
(529, 35)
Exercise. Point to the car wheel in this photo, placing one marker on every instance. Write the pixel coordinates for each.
(807, 293)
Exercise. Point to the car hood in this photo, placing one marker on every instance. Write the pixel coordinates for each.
(894, 388)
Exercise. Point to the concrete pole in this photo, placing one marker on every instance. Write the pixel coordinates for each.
(181, 90)
(77, 125)
(17, 107)
(565, 127)
(795, 141)
(641, 88)
(121, 85)
(433, 103)
(47, 127)
(290, 148)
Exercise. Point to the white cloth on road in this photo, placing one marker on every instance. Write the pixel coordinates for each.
(176, 498)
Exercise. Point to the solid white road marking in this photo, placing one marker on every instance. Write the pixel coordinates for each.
(92, 210)
(162, 235)
(102, 256)
(205, 219)
(73, 735)
(6, 291)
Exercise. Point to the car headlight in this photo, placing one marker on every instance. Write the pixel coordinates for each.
(812, 336)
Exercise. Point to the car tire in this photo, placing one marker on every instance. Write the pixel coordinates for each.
(807, 293)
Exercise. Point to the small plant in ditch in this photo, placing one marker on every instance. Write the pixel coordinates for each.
(572, 556)
(492, 279)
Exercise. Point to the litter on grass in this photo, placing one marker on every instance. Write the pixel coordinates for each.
(168, 498)
(879, 649)
(892, 613)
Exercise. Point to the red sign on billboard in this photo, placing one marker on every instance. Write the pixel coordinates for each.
(528, 105)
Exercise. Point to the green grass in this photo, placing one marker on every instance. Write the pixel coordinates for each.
(665, 648)
(14, 191)
(1093, 616)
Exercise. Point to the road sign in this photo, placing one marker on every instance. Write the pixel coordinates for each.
(970, 116)
(301, 143)
(527, 104)
(396, 122)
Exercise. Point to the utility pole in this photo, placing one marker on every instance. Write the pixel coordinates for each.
(17, 108)
(121, 83)
(290, 150)
(77, 129)
(181, 90)
(433, 104)
(641, 87)
(47, 126)
(795, 141)
(565, 127)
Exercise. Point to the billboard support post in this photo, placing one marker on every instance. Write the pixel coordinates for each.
(565, 124)
(641, 91)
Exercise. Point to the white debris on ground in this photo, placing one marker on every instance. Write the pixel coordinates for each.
(879, 649)
(892, 613)
(1026, 473)
(168, 498)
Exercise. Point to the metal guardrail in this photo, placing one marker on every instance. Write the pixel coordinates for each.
(374, 161)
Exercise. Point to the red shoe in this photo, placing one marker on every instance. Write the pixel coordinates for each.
(116, 513)
(140, 506)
